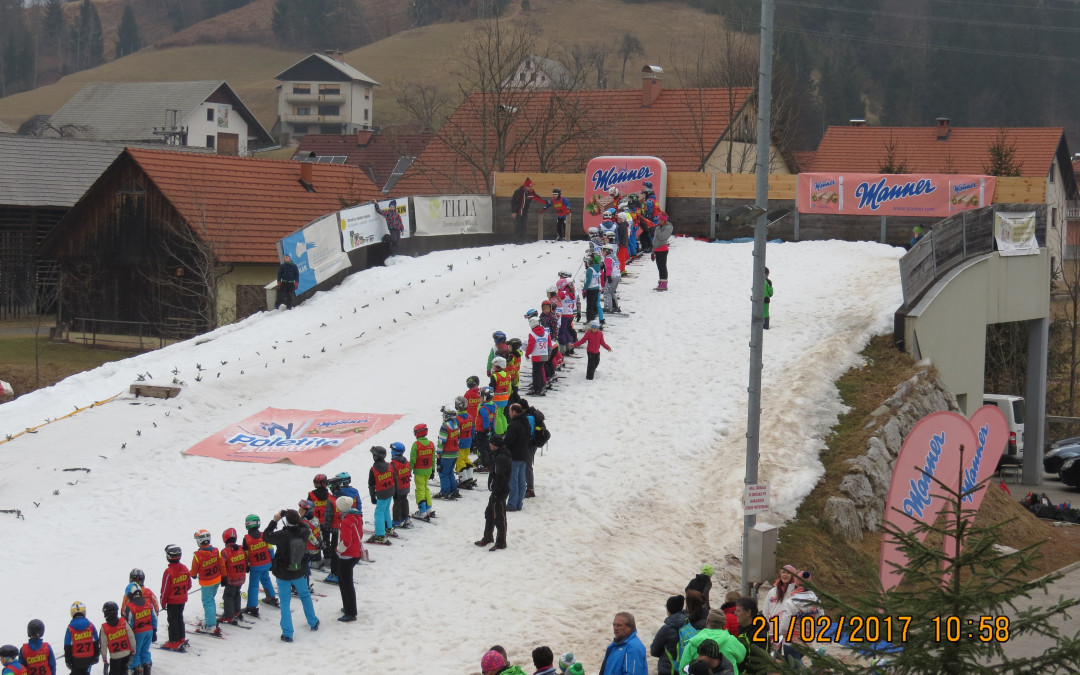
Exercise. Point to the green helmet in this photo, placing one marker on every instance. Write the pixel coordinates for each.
(252, 521)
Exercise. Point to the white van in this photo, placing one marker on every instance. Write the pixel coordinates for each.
(1015, 413)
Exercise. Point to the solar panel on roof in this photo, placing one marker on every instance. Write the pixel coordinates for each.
(331, 159)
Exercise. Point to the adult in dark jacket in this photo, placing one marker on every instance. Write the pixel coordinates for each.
(666, 643)
(702, 582)
(517, 442)
(755, 663)
(288, 568)
(519, 206)
(495, 513)
(288, 280)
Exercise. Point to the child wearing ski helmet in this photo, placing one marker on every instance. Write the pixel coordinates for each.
(501, 385)
(612, 275)
(767, 299)
(9, 659)
(259, 561)
(117, 640)
(206, 567)
(593, 274)
(484, 426)
(567, 299)
(623, 220)
(595, 339)
(142, 618)
(399, 464)
(324, 510)
(513, 366)
(448, 453)
(345, 488)
(464, 466)
(562, 210)
(36, 654)
(80, 641)
(422, 458)
(537, 351)
(309, 524)
(137, 576)
(500, 338)
(234, 560)
(381, 488)
(175, 584)
(472, 395)
(550, 321)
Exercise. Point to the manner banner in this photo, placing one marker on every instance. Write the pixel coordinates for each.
(453, 214)
(316, 251)
(1015, 233)
(871, 194)
(303, 437)
(628, 174)
(362, 225)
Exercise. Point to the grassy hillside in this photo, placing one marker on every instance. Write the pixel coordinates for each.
(670, 33)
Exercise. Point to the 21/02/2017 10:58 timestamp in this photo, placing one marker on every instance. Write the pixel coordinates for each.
(876, 628)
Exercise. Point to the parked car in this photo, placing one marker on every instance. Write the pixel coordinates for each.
(1072, 440)
(1015, 415)
(1055, 458)
(1070, 472)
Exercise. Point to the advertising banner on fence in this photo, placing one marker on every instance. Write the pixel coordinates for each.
(930, 451)
(303, 437)
(362, 225)
(625, 173)
(1015, 233)
(871, 194)
(452, 214)
(316, 251)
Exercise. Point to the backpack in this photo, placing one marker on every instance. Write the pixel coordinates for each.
(294, 561)
(537, 429)
(686, 632)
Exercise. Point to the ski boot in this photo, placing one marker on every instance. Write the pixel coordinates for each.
(271, 601)
(376, 539)
(252, 611)
(331, 578)
(529, 493)
(391, 532)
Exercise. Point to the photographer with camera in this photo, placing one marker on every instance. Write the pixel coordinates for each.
(288, 568)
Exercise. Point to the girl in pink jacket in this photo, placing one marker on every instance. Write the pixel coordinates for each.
(595, 339)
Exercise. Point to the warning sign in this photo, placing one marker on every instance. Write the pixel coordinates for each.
(756, 499)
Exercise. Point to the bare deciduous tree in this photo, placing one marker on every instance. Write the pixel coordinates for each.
(629, 46)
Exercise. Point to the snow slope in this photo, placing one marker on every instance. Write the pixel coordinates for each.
(641, 482)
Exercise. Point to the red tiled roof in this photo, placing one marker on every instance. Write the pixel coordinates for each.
(681, 127)
(804, 160)
(377, 154)
(247, 205)
(965, 150)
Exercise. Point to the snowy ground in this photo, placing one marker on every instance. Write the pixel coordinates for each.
(641, 482)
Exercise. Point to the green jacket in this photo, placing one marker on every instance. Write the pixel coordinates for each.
(728, 643)
(768, 295)
(412, 461)
(512, 670)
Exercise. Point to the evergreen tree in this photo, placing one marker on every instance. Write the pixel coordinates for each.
(16, 49)
(1002, 156)
(950, 613)
(318, 23)
(127, 38)
(87, 45)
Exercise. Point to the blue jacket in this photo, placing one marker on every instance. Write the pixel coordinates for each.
(80, 623)
(625, 657)
(592, 277)
(288, 272)
(350, 491)
(35, 644)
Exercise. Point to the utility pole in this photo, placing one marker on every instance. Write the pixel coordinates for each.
(761, 200)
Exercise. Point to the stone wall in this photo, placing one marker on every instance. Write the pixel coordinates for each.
(860, 507)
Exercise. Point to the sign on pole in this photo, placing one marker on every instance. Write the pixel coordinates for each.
(756, 499)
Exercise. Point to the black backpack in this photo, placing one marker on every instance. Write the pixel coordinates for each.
(294, 561)
(539, 432)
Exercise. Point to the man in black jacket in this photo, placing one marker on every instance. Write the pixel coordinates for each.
(288, 280)
(516, 438)
(288, 567)
(519, 206)
(495, 513)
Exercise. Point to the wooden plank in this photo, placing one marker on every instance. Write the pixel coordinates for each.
(571, 184)
(154, 391)
(689, 184)
(1020, 190)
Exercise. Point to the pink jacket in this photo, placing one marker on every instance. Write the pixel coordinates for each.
(595, 340)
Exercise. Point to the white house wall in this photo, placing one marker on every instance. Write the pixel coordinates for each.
(199, 127)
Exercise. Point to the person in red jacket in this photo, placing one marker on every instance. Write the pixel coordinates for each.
(206, 567)
(349, 550)
(399, 464)
(36, 654)
(324, 512)
(595, 339)
(234, 559)
(258, 564)
(537, 350)
(732, 621)
(175, 584)
(142, 618)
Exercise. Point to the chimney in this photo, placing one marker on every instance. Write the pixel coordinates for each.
(335, 54)
(306, 179)
(857, 122)
(943, 129)
(652, 84)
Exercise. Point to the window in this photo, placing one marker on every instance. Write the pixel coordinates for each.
(365, 114)
(301, 89)
(329, 110)
(209, 114)
(333, 89)
(330, 129)
(303, 110)
(210, 141)
(1053, 216)
(367, 93)
(299, 129)
(1052, 175)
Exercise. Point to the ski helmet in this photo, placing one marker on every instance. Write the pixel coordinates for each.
(472, 381)
(624, 204)
(498, 362)
(9, 652)
(594, 231)
(133, 591)
(487, 393)
(609, 214)
(560, 284)
(515, 343)
(534, 321)
(546, 303)
(531, 313)
(378, 452)
(419, 430)
(499, 337)
(552, 290)
(460, 403)
(614, 192)
(565, 275)
(595, 323)
(303, 506)
(202, 537)
(35, 629)
(344, 478)
(137, 575)
(608, 248)
(173, 553)
(110, 609)
(504, 350)
(556, 191)
(495, 439)
(229, 535)
(397, 449)
(252, 521)
(77, 608)
(319, 480)
(448, 413)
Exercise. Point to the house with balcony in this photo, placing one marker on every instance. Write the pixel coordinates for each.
(321, 94)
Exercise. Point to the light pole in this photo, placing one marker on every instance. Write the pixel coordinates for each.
(761, 201)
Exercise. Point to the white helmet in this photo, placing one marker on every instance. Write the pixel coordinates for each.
(552, 289)
(534, 321)
(608, 248)
(624, 217)
(593, 231)
(499, 362)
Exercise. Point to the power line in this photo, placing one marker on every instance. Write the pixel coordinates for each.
(934, 19)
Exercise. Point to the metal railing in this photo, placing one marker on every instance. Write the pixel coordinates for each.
(949, 242)
(131, 334)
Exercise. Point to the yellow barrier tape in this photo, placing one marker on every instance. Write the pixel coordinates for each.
(74, 412)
